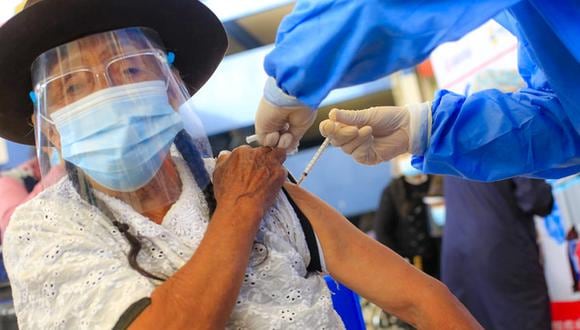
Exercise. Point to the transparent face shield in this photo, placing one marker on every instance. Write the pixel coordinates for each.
(109, 108)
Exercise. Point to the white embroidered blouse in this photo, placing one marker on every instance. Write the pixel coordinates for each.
(68, 264)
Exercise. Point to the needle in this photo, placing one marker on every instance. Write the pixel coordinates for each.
(325, 144)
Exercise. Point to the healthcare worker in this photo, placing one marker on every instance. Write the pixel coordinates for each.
(327, 44)
(145, 229)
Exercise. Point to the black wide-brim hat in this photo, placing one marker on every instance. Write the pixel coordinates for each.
(186, 27)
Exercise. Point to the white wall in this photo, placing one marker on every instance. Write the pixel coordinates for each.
(488, 47)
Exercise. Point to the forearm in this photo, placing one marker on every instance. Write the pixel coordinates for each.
(440, 309)
(400, 289)
(387, 280)
(382, 276)
(202, 294)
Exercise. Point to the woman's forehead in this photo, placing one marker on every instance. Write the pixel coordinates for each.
(93, 52)
(97, 50)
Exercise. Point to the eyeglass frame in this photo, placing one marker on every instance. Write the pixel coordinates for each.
(166, 61)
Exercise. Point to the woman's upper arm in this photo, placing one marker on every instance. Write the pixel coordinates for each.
(345, 247)
(377, 273)
(64, 275)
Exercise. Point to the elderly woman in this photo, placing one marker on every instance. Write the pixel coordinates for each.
(146, 230)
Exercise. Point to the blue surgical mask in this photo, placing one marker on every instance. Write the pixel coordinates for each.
(438, 215)
(119, 136)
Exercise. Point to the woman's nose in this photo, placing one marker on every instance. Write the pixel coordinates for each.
(101, 81)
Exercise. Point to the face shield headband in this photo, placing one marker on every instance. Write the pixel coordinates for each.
(110, 105)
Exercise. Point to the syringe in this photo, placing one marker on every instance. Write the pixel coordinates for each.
(325, 144)
(314, 159)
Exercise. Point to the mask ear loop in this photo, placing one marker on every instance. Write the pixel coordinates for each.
(169, 59)
(34, 99)
(46, 118)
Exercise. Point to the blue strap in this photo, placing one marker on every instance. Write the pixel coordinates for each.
(33, 97)
(170, 57)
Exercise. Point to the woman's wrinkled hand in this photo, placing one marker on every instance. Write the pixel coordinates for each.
(249, 178)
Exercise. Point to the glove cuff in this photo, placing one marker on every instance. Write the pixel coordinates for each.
(420, 119)
(276, 96)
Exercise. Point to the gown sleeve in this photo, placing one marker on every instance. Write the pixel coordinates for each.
(491, 135)
(327, 44)
(534, 132)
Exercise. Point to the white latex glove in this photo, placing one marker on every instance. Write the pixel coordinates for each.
(379, 134)
(282, 127)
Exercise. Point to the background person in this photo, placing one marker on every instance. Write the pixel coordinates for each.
(490, 257)
(15, 187)
(401, 220)
(23, 183)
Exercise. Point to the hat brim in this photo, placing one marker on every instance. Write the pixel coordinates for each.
(187, 28)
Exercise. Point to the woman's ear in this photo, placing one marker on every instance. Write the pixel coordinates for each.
(53, 136)
(177, 92)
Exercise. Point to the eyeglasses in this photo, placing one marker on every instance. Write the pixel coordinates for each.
(66, 88)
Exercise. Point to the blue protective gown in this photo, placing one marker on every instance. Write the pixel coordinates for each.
(490, 135)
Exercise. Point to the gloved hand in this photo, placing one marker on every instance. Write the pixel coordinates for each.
(282, 127)
(281, 119)
(379, 134)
